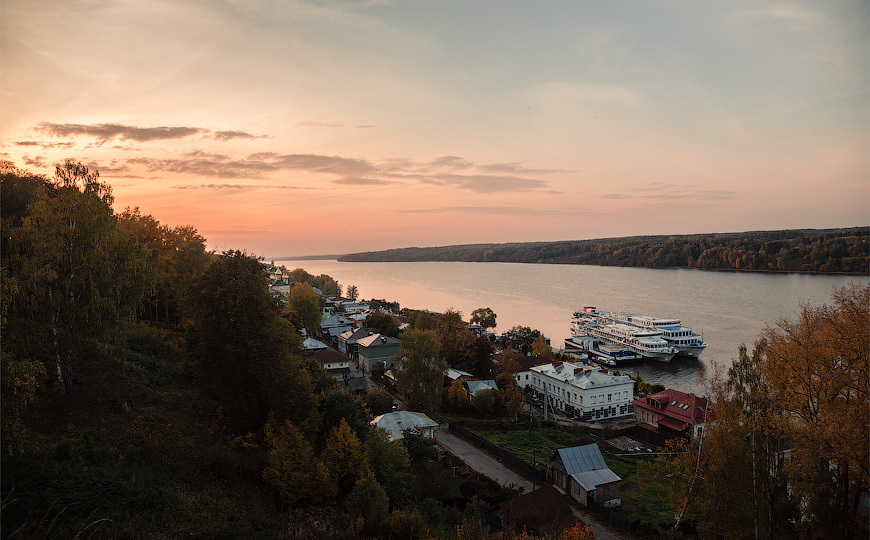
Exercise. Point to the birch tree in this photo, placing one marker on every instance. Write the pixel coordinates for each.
(84, 277)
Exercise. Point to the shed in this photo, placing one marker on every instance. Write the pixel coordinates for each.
(582, 472)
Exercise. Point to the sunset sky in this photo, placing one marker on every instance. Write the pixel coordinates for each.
(295, 128)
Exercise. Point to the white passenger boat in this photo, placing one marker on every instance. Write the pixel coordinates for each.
(682, 338)
(646, 342)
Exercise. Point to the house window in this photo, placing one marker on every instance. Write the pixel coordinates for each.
(527, 376)
(593, 400)
(609, 396)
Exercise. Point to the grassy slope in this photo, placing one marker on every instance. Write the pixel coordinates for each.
(134, 452)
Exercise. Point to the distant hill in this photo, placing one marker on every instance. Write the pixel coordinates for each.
(819, 251)
(310, 258)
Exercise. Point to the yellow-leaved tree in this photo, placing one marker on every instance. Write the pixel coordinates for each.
(292, 469)
(817, 370)
(345, 458)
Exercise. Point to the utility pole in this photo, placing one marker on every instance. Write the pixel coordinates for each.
(534, 470)
(546, 399)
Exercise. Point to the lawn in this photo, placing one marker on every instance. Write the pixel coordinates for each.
(541, 442)
(643, 493)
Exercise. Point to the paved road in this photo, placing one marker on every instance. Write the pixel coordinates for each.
(481, 462)
(486, 465)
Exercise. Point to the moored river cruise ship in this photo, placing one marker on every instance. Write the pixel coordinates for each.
(684, 339)
(648, 342)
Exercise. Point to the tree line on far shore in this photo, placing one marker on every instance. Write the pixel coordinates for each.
(821, 251)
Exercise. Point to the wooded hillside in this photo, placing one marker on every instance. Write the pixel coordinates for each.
(821, 251)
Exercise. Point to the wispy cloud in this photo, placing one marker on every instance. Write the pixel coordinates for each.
(444, 171)
(456, 163)
(493, 210)
(674, 192)
(206, 165)
(488, 184)
(45, 145)
(319, 125)
(230, 135)
(237, 187)
(36, 161)
(364, 181)
(106, 132)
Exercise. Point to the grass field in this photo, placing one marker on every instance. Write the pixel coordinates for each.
(643, 493)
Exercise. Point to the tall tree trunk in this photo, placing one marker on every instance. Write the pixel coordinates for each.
(754, 486)
(54, 322)
(694, 478)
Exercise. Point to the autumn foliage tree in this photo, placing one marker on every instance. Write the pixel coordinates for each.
(292, 468)
(176, 255)
(818, 368)
(511, 394)
(788, 452)
(305, 304)
(80, 276)
(345, 459)
(419, 370)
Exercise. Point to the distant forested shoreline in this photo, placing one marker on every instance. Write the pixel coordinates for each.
(817, 251)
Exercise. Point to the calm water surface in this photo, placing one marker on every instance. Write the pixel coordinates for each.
(728, 308)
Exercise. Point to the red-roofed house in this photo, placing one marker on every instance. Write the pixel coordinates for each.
(670, 414)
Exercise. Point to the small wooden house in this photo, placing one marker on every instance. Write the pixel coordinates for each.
(582, 472)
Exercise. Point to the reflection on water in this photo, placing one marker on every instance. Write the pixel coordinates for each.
(727, 308)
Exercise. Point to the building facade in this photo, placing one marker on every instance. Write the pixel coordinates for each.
(582, 472)
(376, 352)
(583, 392)
(669, 414)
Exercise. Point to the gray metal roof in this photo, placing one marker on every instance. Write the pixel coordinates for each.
(580, 459)
(589, 480)
(377, 340)
(454, 374)
(398, 421)
(476, 386)
(311, 343)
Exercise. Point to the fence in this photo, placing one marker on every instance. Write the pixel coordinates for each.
(503, 455)
(617, 519)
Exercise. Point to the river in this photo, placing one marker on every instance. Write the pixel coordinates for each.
(728, 308)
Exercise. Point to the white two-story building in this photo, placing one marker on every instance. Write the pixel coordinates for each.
(583, 392)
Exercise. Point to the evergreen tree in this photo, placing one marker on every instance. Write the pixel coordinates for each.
(247, 358)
